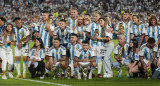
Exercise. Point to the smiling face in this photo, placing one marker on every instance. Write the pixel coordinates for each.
(96, 17)
(85, 47)
(57, 43)
(18, 23)
(37, 43)
(73, 39)
(121, 40)
(45, 16)
(135, 19)
(62, 25)
(9, 28)
(126, 16)
(153, 22)
(102, 22)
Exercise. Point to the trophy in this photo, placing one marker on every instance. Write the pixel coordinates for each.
(121, 50)
(69, 72)
(85, 70)
(148, 73)
(48, 22)
(96, 33)
(23, 39)
(54, 71)
(121, 28)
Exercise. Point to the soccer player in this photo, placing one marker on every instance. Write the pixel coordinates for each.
(153, 29)
(37, 55)
(72, 48)
(137, 30)
(57, 57)
(2, 26)
(94, 33)
(46, 31)
(121, 56)
(63, 32)
(79, 29)
(22, 36)
(147, 55)
(123, 27)
(84, 58)
(72, 21)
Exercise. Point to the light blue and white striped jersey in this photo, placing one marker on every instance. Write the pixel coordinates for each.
(118, 48)
(127, 27)
(153, 32)
(72, 23)
(95, 27)
(138, 30)
(57, 54)
(45, 36)
(41, 53)
(80, 37)
(1, 30)
(8, 39)
(73, 49)
(108, 34)
(84, 55)
(146, 52)
(134, 57)
(19, 33)
(36, 28)
(64, 35)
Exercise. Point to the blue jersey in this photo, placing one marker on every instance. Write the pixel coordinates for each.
(84, 55)
(95, 30)
(73, 49)
(153, 32)
(137, 30)
(45, 36)
(133, 57)
(41, 53)
(127, 27)
(124, 50)
(80, 37)
(64, 35)
(72, 23)
(146, 52)
(57, 54)
(20, 33)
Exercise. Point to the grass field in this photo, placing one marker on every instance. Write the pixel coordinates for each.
(48, 81)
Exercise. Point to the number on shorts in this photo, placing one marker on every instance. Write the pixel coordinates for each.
(26, 50)
(102, 51)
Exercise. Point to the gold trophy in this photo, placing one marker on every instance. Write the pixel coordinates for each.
(148, 73)
(54, 71)
(69, 72)
(85, 70)
(48, 22)
(96, 33)
(121, 50)
(23, 39)
(121, 28)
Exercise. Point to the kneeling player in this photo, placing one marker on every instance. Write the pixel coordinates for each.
(84, 58)
(57, 58)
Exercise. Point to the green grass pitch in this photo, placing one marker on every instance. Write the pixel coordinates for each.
(48, 81)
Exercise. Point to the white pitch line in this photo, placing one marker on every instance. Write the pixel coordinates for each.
(43, 82)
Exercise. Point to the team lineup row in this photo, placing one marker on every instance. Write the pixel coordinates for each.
(79, 44)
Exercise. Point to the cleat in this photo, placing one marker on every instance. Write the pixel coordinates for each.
(24, 76)
(18, 76)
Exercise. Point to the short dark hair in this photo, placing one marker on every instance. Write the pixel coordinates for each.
(151, 40)
(85, 42)
(127, 11)
(45, 11)
(3, 19)
(58, 39)
(63, 20)
(16, 18)
(73, 34)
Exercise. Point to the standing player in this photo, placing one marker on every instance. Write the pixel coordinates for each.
(46, 31)
(124, 26)
(85, 58)
(57, 57)
(72, 21)
(72, 48)
(22, 37)
(94, 33)
(2, 26)
(121, 55)
(153, 29)
(147, 55)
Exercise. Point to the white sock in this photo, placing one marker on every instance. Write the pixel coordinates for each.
(24, 68)
(99, 66)
(47, 71)
(18, 68)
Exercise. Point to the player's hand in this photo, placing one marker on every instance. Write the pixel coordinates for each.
(80, 33)
(48, 25)
(19, 45)
(85, 60)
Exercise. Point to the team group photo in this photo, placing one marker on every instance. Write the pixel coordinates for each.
(79, 42)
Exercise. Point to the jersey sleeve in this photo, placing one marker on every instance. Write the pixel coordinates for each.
(43, 54)
(116, 49)
(77, 53)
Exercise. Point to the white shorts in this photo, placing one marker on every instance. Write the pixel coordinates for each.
(22, 51)
(145, 61)
(9, 55)
(84, 64)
